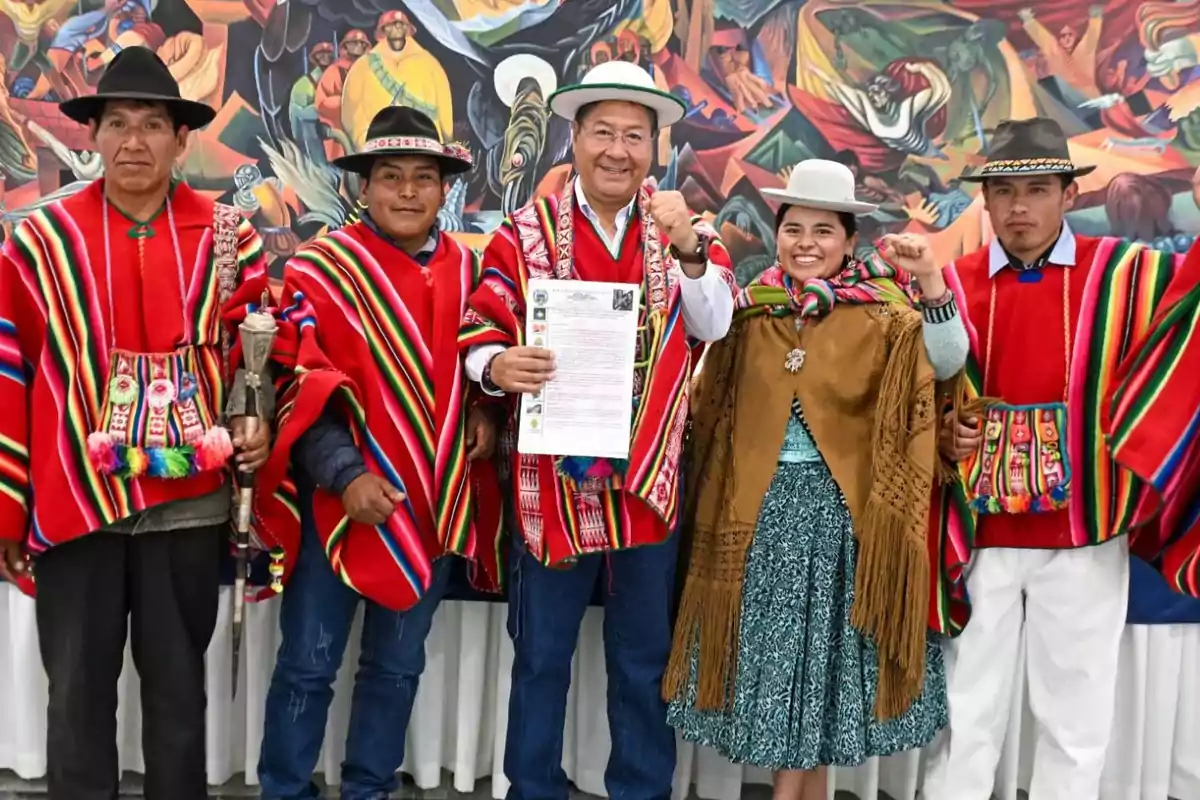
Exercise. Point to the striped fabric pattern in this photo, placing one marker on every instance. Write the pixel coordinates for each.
(1124, 286)
(51, 344)
(407, 426)
(527, 245)
(1155, 431)
(872, 280)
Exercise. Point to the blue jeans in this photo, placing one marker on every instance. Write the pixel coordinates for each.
(318, 609)
(545, 610)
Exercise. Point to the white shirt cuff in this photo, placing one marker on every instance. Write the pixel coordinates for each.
(707, 304)
(477, 360)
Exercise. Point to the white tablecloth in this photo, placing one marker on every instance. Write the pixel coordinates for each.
(461, 712)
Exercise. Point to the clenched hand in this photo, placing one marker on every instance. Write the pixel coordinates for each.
(252, 440)
(370, 499)
(959, 437)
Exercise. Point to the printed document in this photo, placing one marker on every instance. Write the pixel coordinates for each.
(587, 410)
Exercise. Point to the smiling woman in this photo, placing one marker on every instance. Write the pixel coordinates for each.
(807, 558)
(814, 242)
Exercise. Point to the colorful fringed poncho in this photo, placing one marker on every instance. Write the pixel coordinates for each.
(371, 330)
(64, 318)
(1037, 357)
(564, 510)
(1155, 431)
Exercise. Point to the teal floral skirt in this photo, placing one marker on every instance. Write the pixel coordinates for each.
(806, 680)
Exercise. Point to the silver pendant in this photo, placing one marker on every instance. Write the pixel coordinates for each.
(795, 360)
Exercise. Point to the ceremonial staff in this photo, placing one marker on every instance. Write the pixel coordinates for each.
(257, 334)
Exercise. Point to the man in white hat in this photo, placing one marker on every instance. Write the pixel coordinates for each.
(575, 515)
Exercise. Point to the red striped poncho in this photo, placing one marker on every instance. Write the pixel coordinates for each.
(1155, 431)
(559, 519)
(54, 353)
(366, 330)
(1122, 284)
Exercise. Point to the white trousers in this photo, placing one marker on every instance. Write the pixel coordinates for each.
(1071, 606)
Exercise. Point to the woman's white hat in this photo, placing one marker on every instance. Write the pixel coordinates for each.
(618, 80)
(817, 183)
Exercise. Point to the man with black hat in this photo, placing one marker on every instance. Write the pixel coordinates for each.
(118, 317)
(580, 515)
(387, 448)
(1034, 526)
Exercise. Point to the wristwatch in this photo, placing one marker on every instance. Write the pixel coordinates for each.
(697, 256)
(485, 380)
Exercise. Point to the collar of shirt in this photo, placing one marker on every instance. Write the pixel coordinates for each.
(422, 256)
(612, 243)
(1062, 254)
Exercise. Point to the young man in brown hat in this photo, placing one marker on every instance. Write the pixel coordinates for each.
(118, 333)
(1033, 530)
(387, 449)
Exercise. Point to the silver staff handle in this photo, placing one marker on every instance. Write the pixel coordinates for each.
(257, 334)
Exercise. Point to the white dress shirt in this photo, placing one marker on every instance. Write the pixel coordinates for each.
(707, 301)
(1063, 254)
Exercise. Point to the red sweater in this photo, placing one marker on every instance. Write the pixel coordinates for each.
(1028, 364)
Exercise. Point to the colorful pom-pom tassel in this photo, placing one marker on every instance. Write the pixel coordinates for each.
(102, 453)
(156, 466)
(276, 569)
(215, 449)
(136, 461)
(575, 467)
(601, 468)
(583, 468)
(170, 462)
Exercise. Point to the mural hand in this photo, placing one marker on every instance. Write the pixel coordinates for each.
(1174, 56)
(923, 211)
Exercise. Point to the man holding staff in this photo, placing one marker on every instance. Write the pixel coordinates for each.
(119, 309)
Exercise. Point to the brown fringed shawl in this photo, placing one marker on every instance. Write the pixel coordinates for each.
(867, 390)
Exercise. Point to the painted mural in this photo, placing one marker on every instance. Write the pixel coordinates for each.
(905, 93)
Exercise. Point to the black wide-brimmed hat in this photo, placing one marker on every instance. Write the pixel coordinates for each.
(404, 131)
(1025, 147)
(137, 73)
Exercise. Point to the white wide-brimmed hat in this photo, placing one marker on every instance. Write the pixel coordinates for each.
(618, 80)
(817, 183)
